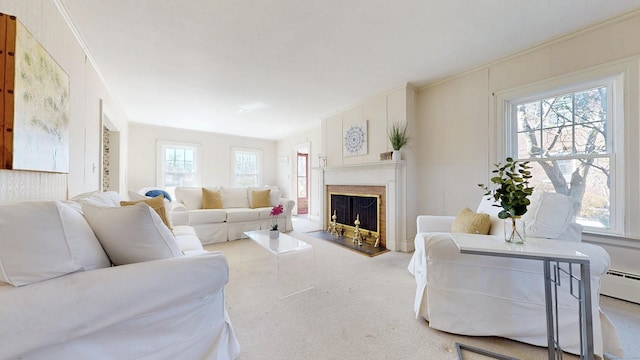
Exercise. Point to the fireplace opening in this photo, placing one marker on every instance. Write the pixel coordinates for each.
(349, 207)
(356, 217)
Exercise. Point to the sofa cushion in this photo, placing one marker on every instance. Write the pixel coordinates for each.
(187, 239)
(207, 216)
(234, 197)
(211, 199)
(34, 246)
(260, 198)
(156, 203)
(191, 197)
(471, 223)
(238, 215)
(131, 234)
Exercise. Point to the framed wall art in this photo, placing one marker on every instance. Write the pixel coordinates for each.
(36, 116)
(355, 139)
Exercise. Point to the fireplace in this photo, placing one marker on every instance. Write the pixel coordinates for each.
(385, 179)
(364, 203)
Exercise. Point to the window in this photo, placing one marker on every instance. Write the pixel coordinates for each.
(178, 164)
(568, 135)
(247, 167)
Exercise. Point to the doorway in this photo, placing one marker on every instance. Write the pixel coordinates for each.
(302, 183)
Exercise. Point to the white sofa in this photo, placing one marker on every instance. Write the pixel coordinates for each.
(491, 296)
(112, 284)
(236, 215)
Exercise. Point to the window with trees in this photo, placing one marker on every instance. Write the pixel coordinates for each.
(567, 135)
(178, 165)
(247, 167)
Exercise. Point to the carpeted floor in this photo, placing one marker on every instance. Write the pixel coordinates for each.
(360, 308)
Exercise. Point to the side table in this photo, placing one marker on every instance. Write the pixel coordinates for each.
(552, 253)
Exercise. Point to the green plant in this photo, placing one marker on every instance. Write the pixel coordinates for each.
(398, 135)
(513, 188)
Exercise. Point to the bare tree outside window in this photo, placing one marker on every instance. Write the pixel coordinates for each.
(565, 138)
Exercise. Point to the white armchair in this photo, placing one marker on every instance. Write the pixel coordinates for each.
(490, 296)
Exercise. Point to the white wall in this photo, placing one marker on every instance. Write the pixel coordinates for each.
(215, 154)
(456, 122)
(46, 24)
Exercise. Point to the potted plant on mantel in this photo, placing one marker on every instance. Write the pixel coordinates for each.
(398, 137)
(512, 193)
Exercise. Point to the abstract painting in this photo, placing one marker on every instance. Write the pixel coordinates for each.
(41, 102)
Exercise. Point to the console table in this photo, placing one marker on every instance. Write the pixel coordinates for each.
(552, 253)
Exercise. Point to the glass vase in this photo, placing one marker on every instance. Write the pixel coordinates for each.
(514, 230)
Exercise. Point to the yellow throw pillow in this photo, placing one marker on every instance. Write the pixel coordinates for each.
(469, 222)
(260, 198)
(211, 199)
(156, 203)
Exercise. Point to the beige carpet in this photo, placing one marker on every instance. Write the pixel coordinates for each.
(360, 308)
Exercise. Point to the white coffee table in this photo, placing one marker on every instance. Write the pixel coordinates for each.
(295, 261)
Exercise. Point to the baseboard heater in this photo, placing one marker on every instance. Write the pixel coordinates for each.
(621, 285)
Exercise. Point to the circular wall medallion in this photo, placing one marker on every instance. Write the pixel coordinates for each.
(355, 139)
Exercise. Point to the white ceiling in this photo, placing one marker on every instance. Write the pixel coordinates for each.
(273, 68)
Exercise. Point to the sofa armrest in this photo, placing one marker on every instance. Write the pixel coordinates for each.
(178, 213)
(96, 299)
(287, 205)
(434, 223)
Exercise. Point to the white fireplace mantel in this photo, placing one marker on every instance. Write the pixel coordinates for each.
(388, 173)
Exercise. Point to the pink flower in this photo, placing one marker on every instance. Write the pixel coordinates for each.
(275, 211)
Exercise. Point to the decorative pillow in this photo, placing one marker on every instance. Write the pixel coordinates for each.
(156, 203)
(471, 223)
(158, 192)
(34, 246)
(86, 251)
(274, 197)
(98, 198)
(234, 197)
(552, 216)
(134, 196)
(191, 197)
(131, 234)
(211, 199)
(260, 198)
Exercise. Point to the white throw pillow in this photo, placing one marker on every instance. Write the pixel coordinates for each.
(98, 198)
(274, 197)
(131, 234)
(552, 216)
(191, 197)
(134, 196)
(234, 197)
(86, 251)
(33, 245)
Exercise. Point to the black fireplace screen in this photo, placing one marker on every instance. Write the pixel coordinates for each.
(348, 206)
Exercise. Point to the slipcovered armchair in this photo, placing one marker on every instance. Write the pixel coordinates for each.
(481, 295)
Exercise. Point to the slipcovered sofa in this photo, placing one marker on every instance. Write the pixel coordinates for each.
(220, 214)
(108, 282)
(493, 296)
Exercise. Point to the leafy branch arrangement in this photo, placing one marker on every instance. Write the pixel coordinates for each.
(513, 188)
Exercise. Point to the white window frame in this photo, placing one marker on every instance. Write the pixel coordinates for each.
(614, 79)
(162, 145)
(257, 152)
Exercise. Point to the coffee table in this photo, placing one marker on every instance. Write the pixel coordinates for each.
(295, 261)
